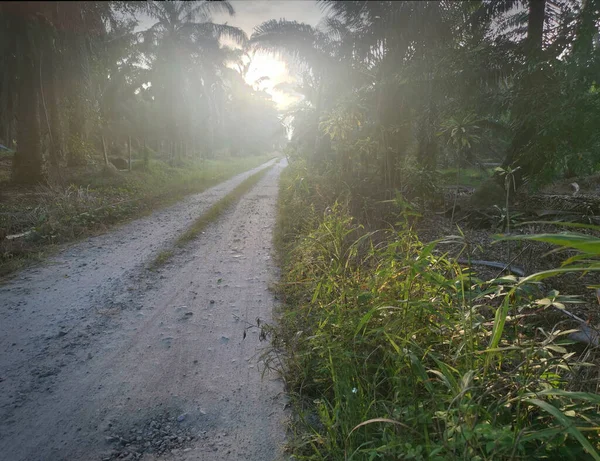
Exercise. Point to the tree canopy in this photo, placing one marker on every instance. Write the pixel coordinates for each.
(78, 77)
(382, 80)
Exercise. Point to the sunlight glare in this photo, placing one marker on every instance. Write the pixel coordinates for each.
(267, 65)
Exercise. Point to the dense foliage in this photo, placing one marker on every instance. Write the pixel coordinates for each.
(392, 350)
(396, 89)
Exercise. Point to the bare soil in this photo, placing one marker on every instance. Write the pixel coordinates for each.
(102, 358)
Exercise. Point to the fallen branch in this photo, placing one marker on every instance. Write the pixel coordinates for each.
(17, 236)
(497, 265)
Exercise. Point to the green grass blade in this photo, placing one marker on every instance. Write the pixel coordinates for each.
(568, 425)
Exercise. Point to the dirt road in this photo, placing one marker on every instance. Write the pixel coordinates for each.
(101, 358)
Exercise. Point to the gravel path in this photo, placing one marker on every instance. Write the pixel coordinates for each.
(101, 358)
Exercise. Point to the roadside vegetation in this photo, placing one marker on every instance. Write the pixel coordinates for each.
(393, 350)
(33, 222)
(438, 231)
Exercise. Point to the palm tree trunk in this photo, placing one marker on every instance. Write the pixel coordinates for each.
(535, 27)
(527, 128)
(51, 105)
(51, 96)
(6, 106)
(104, 151)
(428, 148)
(79, 85)
(318, 109)
(27, 165)
(145, 154)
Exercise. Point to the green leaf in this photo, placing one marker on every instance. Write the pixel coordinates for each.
(421, 372)
(581, 242)
(551, 273)
(499, 321)
(567, 424)
(594, 398)
(364, 320)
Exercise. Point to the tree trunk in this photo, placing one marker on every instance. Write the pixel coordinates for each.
(535, 27)
(6, 107)
(27, 165)
(129, 151)
(318, 109)
(51, 106)
(10, 122)
(428, 148)
(145, 153)
(527, 129)
(104, 151)
(52, 97)
(79, 72)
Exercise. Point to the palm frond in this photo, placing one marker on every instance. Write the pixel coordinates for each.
(217, 31)
(298, 41)
(203, 11)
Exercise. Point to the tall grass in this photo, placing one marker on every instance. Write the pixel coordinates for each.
(394, 351)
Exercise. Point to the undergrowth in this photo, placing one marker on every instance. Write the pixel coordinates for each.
(394, 351)
(91, 202)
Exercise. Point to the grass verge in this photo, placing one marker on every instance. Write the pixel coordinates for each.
(161, 259)
(392, 350)
(93, 200)
(211, 215)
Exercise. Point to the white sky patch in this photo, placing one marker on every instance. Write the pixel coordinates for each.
(251, 13)
(265, 65)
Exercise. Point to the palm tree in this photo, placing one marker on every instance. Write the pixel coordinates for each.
(316, 52)
(43, 41)
(8, 81)
(81, 30)
(177, 43)
(23, 21)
